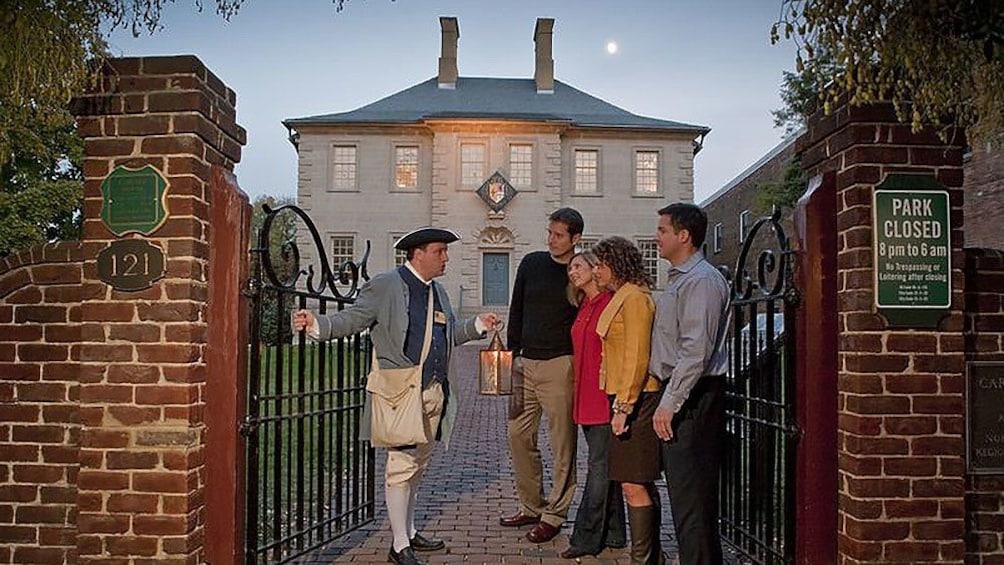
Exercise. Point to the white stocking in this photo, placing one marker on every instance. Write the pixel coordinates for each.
(411, 512)
(398, 500)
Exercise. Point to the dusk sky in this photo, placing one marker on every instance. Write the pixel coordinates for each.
(707, 62)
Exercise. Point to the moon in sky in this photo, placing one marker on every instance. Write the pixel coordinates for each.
(611, 47)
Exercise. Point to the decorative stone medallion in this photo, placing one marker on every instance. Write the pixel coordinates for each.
(496, 192)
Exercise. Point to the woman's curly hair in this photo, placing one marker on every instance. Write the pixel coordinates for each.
(624, 260)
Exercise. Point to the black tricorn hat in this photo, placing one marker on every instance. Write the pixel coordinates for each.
(421, 236)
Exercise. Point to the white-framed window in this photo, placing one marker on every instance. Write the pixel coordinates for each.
(646, 172)
(649, 257)
(343, 249)
(397, 256)
(406, 166)
(472, 164)
(343, 167)
(521, 165)
(587, 167)
(586, 243)
(717, 237)
(745, 223)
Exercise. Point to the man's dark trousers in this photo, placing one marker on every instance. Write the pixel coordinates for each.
(691, 462)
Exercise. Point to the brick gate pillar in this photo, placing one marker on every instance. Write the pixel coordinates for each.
(142, 482)
(901, 479)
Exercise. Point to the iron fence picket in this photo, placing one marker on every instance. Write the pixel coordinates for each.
(757, 480)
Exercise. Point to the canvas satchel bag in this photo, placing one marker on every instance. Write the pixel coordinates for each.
(397, 415)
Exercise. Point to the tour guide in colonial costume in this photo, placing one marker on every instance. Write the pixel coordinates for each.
(394, 306)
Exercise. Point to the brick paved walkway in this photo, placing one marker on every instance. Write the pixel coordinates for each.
(466, 490)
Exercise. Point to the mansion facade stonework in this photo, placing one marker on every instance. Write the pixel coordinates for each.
(424, 156)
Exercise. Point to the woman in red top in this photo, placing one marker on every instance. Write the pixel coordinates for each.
(599, 521)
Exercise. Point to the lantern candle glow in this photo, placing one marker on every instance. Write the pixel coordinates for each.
(495, 371)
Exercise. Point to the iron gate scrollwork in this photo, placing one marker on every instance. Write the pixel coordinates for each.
(309, 478)
(758, 472)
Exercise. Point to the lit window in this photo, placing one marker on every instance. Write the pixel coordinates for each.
(745, 223)
(646, 172)
(406, 167)
(521, 165)
(342, 250)
(650, 257)
(586, 169)
(718, 237)
(472, 164)
(343, 170)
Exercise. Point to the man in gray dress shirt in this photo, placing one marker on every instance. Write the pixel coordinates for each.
(688, 355)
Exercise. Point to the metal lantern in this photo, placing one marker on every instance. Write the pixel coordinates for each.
(495, 372)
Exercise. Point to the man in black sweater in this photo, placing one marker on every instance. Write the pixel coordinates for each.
(540, 323)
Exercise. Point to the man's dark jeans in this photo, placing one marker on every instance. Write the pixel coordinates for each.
(599, 521)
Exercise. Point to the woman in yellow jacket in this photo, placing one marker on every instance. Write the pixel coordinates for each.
(625, 327)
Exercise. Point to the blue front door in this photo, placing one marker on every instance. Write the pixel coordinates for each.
(495, 279)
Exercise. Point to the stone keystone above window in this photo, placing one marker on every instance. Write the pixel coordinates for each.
(496, 192)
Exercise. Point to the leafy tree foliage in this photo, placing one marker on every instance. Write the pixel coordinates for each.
(940, 62)
(276, 308)
(50, 51)
(785, 192)
(40, 183)
(801, 93)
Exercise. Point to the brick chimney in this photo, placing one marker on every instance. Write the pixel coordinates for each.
(543, 73)
(448, 58)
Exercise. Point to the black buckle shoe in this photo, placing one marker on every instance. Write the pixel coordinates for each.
(404, 557)
(422, 543)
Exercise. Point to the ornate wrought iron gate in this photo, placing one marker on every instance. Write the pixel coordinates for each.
(309, 478)
(758, 476)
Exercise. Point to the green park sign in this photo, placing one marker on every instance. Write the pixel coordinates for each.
(134, 200)
(913, 254)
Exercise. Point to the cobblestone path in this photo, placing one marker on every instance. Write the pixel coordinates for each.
(465, 491)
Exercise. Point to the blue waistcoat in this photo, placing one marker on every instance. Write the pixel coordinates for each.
(418, 300)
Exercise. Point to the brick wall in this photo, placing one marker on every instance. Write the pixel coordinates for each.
(39, 326)
(900, 391)
(142, 473)
(103, 395)
(984, 186)
(984, 337)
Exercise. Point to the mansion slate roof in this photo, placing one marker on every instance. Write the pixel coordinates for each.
(495, 98)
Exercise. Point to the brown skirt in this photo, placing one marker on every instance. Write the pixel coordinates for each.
(636, 455)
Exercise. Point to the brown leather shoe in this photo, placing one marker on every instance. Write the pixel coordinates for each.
(542, 532)
(518, 519)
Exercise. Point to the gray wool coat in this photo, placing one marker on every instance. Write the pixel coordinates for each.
(382, 307)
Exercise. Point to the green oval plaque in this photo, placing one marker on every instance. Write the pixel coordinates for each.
(134, 200)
